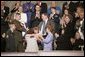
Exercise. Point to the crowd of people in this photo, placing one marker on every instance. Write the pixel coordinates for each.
(32, 27)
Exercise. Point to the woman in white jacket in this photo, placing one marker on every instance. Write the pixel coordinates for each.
(31, 40)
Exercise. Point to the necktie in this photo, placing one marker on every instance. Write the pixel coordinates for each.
(43, 31)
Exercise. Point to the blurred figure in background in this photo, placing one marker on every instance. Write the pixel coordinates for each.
(70, 6)
(43, 6)
(4, 24)
(16, 7)
(28, 8)
(10, 39)
(77, 42)
(54, 4)
(36, 16)
(80, 22)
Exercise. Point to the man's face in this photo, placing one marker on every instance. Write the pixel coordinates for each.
(43, 17)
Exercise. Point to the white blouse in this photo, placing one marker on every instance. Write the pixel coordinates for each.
(23, 18)
(32, 45)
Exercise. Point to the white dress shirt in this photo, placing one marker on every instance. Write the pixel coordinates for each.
(81, 34)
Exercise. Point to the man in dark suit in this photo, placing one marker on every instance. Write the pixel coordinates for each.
(44, 23)
(42, 27)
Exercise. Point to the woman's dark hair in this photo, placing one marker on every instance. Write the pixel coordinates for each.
(35, 7)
